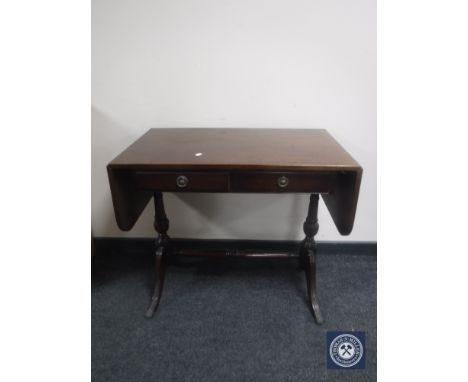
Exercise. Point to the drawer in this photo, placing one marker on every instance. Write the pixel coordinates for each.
(320, 182)
(183, 181)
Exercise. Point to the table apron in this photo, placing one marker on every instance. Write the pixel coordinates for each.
(248, 182)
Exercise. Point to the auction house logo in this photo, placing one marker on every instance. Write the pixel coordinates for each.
(345, 350)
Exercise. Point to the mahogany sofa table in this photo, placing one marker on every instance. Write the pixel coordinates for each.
(235, 160)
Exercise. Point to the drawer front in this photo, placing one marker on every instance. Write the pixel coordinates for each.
(320, 182)
(183, 181)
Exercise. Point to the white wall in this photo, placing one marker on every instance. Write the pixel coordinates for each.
(234, 63)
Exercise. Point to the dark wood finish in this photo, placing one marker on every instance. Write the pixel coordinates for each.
(161, 225)
(248, 181)
(233, 149)
(129, 201)
(196, 181)
(160, 271)
(119, 248)
(236, 151)
(161, 222)
(235, 160)
(292, 182)
(236, 252)
(342, 203)
(309, 250)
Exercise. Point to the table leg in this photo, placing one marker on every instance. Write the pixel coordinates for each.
(161, 225)
(308, 253)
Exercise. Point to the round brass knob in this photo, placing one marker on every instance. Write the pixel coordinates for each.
(182, 181)
(283, 181)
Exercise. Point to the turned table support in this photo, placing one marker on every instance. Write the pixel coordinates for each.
(161, 225)
(308, 254)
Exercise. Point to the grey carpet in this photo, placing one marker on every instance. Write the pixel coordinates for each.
(228, 320)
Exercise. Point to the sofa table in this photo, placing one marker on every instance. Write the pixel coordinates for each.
(235, 160)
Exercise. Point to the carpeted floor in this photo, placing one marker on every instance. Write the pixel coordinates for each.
(228, 319)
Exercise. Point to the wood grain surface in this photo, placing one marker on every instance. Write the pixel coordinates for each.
(235, 160)
(215, 148)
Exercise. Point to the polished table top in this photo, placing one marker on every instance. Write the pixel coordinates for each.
(235, 160)
(236, 148)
